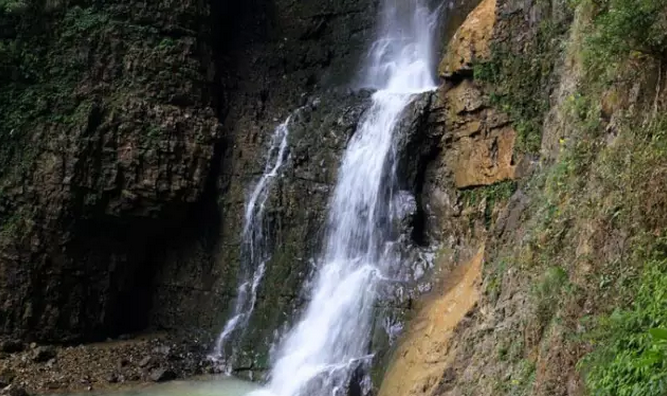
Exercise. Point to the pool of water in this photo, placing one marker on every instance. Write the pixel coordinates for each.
(221, 386)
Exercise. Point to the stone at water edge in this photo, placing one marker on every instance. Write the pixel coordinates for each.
(162, 375)
(13, 390)
(112, 378)
(145, 361)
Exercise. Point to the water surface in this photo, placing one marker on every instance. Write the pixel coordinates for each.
(222, 386)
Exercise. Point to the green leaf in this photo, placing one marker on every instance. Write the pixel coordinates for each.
(658, 333)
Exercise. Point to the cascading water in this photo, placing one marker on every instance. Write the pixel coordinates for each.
(254, 252)
(331, 341)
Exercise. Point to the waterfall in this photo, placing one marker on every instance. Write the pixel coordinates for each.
(330, 342)
(254, 252)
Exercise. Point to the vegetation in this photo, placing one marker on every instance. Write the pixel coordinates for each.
(546, 294)
(631, 354)
(520, 382)
(617, 189)
(623, 27)
(47, 81)
(518, 81)
(12, 7)
(591, 250)
(489, 196)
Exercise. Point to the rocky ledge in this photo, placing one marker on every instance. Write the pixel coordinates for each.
(114, 364)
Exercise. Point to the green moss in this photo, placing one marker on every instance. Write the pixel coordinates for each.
(13, 7)
(78, 21)
(47, 84)
(617, 189)
(490, 196)
(547, 294)
(500, 191)
(495, 280)
(9, 224)
(166, 43)
(518, 80)
(518, 382)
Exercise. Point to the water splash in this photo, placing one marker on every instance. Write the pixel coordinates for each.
(254, 251)
(330, 343)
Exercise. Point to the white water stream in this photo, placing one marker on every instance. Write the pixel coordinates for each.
(331, 340)
(254, 251)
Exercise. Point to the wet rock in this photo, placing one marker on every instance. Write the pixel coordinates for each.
(162, 375)
(112, 378)
(43, 354)
(145, 361)
(162, 350)
(510, 217)
(51, 363)
(11, 346)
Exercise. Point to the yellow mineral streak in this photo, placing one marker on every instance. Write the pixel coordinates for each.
(422, 356)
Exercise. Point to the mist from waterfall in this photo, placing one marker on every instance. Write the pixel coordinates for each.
(329, 344)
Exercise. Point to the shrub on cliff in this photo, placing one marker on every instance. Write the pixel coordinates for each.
(623, 28)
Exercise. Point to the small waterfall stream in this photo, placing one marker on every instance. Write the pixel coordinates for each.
(254, 250)
(330, 342)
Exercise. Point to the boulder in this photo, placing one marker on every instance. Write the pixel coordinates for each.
(162, 375)
(471, 41)
(482, 151)
(112, 378)
(145, 361)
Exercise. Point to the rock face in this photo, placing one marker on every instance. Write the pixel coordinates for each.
(483, 138)
(531, 159)
(162, 375)
(107, 142)
(418, 367)
(480, 147)
(302, 57)
(130, 133)
(471, 41)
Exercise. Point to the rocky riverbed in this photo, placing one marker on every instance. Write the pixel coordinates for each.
(114, 364)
